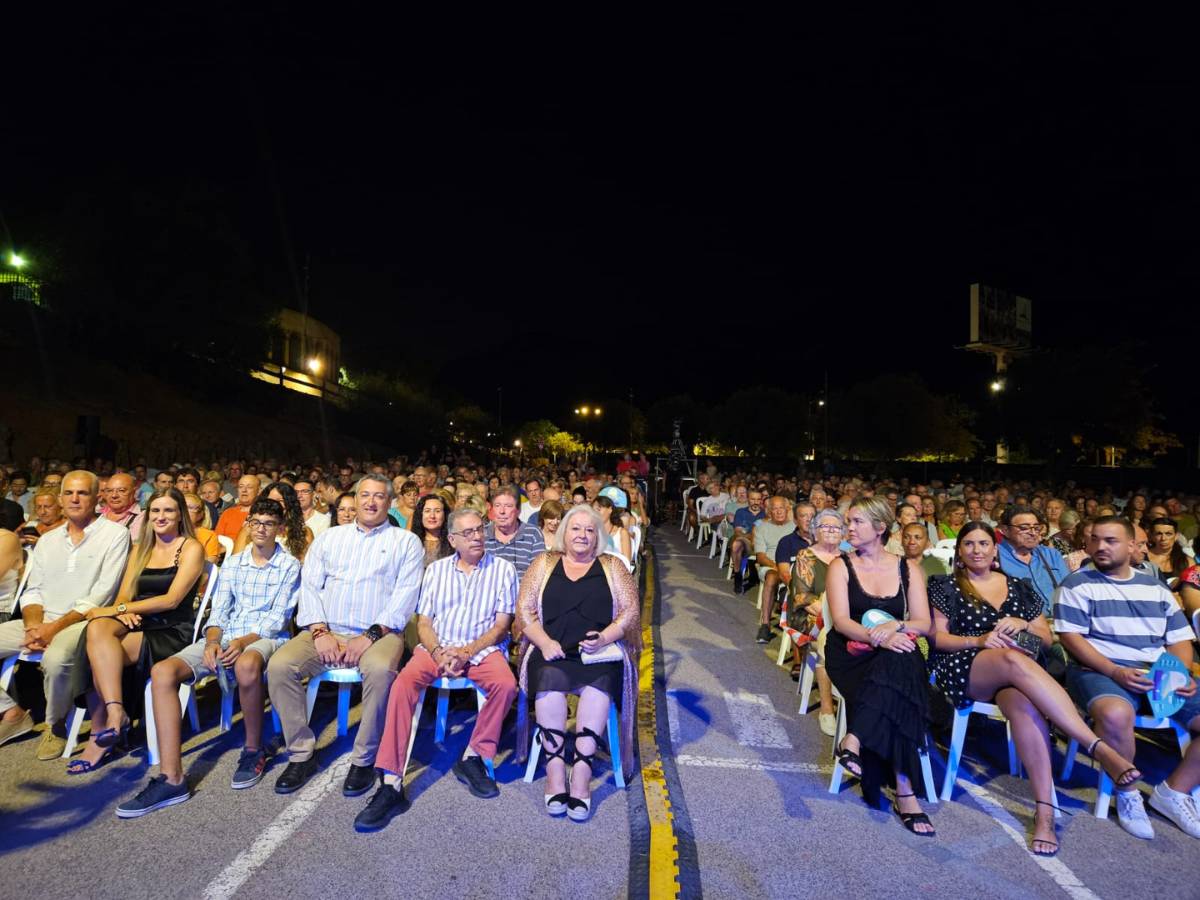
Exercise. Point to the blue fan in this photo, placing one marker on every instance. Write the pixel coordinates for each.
(873, 618)
(1168, 675)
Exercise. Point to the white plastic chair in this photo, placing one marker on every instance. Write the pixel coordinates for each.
(1104, 786)
(621, 557)
(947, 544)
(635, 535)
(10, 663)
(808, 679)
(226, 543)
(444, 686)
(941, 554)
(614, 748)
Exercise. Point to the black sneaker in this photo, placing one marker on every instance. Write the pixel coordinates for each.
(737, 582)
(764, 634)
(471, 771)
(295, 776)
(250, 768)
(358, 781)
(155, 795)
(388, 802)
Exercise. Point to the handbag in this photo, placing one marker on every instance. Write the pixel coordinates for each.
(610, 653)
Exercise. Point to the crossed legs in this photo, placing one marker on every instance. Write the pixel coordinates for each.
(111, 647)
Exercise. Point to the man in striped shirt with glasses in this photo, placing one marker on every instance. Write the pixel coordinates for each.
(468, 601)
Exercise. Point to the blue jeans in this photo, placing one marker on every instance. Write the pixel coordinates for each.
(1087, 685)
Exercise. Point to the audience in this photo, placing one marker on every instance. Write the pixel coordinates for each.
(767, 535)
(47, 515)
(232, 520)
(741, 543)
(508, 537)
(120, 504)
(429, 525)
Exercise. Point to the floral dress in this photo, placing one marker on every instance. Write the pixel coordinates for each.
(966, 619)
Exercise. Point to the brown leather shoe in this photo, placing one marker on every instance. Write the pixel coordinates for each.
(12, 729)
(52, 746)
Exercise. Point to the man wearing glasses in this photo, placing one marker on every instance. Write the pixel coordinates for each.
(1023, 555)
(252, 605)
(468, 601)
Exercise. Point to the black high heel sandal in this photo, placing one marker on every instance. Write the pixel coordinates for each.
(1053, 852)
(578, 808)
(114, 737)
(1126, 778)
(846, 759)
(556, 804)
(912, 820)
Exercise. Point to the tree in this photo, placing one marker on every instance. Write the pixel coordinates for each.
(468, 424)
(563, 442)
(763, 420)
(896, 416)
(533, 434)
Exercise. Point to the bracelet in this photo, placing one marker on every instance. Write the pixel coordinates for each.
(317, 632)
(435, 650)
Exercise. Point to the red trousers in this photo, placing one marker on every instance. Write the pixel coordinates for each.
(494, 678)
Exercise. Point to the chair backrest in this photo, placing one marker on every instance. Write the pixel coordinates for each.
(226, 543)
(20, 589)
(946, 544)
(211, 571)
(621, 557)
(940, 553)
(635, 534)
(826, 618)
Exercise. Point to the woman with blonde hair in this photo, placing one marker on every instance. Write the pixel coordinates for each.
(202, 525)
(578, 613)
(151, 619)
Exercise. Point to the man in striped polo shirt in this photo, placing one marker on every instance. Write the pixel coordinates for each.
(508, 537)
(468, 601)
(1115, 622)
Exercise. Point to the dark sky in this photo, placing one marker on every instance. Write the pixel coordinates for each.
(647, 193)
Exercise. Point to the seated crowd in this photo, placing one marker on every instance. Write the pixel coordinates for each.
(411, 577)
(1053, 604)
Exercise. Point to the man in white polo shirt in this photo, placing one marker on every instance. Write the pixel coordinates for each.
(71, 570)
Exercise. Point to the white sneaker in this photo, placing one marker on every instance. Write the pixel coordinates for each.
(1179, 808)
(828, 723)
(1131, 813)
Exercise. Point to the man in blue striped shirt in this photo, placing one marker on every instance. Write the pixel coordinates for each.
(508, 537)
(358, 589)
(467, 605)
(1115, 623)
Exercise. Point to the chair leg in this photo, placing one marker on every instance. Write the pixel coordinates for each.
(188, 702)
(443, 715)
(759, 602)
(807, 677)
(785, 645)
(76, 723)
(151, 725)
(1014, 764)
(1069, 759)
(6, 671)
(310, 695)
(1103, 795)
(712, 546)
(412, 734)
(957, 738)
(835, 780)
(535, 750)
(927, 774)
(227, 710)
(614, 745)
(343, 709)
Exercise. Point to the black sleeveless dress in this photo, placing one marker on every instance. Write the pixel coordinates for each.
(886, 693)
(570, 609)
(163, 635)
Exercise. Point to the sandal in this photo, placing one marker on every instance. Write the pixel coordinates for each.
(847, 758)
(1126, 778)
(579, 809)
(912, 820)
(82, 766)
(1053, 844)
(556, 804)
(111, 737)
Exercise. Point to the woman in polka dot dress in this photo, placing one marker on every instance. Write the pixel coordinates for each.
(978, 613)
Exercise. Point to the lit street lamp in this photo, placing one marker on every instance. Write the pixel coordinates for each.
(314, 365)
(16, 260)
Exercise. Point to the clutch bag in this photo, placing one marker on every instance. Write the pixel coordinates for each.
(609, 653)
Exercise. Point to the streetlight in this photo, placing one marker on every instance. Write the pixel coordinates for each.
(517, 443)
(314, 365)
(16, 260)
(997, 386)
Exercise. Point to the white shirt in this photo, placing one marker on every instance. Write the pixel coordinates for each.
(66, 576)
(317, 522)
(528, 509)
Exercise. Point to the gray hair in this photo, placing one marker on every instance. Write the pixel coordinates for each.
(580, 509)
(378, 479)
(821, 516)
(461, 513)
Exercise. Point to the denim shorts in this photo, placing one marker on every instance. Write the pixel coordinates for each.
(1087, 685)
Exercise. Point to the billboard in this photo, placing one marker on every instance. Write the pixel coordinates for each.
(1000, 319)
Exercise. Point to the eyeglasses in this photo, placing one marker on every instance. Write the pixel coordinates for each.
(304, 490)
(829, 528)
(1028, 529)
(261, 524)
(472, 533)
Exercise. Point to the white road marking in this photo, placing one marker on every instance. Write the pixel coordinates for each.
(673, 717)
(226, 884)
(755, 720)
(1063, 876)
(752, 765)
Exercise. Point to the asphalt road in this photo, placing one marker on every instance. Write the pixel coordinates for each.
(752, 776)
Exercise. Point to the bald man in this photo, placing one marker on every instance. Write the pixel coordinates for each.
(120, 497)
(232, 520)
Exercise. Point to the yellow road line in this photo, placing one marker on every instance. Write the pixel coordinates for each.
(664, 853)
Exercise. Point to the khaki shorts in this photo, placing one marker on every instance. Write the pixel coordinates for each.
(193, 655)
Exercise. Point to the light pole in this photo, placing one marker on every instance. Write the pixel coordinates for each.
(585, 413)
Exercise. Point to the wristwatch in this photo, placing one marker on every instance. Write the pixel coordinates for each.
(122, 608)
(374, 633)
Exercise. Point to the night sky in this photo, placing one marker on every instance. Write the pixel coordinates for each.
(651, 196)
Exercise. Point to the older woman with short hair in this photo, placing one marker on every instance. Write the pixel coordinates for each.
(576, 602)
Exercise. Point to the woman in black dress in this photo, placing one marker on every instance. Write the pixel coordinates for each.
(884, 683)
(151, 619)
(577, 599)
(978, 615)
